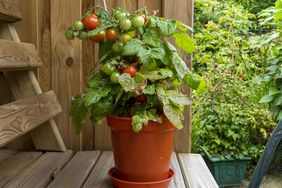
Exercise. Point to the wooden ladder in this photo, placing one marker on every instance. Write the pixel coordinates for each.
(33, 111)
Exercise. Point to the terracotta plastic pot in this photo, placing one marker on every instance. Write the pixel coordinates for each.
(143, 156)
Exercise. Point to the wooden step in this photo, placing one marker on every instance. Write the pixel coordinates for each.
(19, 117)
(9, 11)
(18, 56)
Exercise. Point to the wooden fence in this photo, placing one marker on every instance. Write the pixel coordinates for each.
(67, 63)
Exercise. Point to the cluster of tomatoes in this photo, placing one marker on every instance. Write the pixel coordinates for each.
(127, 27)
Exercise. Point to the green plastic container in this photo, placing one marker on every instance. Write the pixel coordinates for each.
(227, 172)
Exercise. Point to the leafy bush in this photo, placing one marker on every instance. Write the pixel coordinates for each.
(226, 121)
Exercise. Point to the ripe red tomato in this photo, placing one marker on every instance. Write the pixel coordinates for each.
(91, 22)
(100, 37)
(111, 35)
(140, 98)
(144, 16)
(131, 69)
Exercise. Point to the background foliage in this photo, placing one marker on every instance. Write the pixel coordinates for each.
(238, 55)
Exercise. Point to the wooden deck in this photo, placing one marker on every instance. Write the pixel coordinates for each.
(87, 169)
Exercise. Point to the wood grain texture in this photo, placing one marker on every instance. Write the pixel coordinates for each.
(15, 164)
(38, 174)
(24, 84)
(196, 172)
(151, 6)
(183, 11)
(88, 63)
(15, 55)
(5, 154)
(177, 181)
(98, 178)
(66, 79)
(20, 117)
(76, 171)
(9, 12)
(44, 44)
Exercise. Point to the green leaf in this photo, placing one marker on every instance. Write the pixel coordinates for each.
(180, 65)
(149, 89)
(167, 27)
(104, 51)
(128, 83)
(96, 81)
(273, 91)
(155, 75)
(144, 55)
(100, 110)
(166, 57)
(93, 96)
(178, 98)
(174, 114)
(166, 72)
(277, 100)
(184, 42)
(182, 27)
(266, 99)
(138, 122)
(78, 112)
(157, 53)
(192, 80)
(131, 47)
(162, 95)
(153, 116)
(152, 37)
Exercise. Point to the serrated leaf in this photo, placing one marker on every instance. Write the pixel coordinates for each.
(128, 83)
(162, 95)
(101, 109)
(138, 122)
(93, 96)
(167, 27)
(150, 90)
(157, 53)
(152, 37)
(154, 75)
(180, 65)
(191, 80)
(153, 116)
(178, 98)
(174, 114)
(78, 112)
(144, 55)
(185, 42)
(266, 99)
(182, 27)
(131, 47)
(166, 72)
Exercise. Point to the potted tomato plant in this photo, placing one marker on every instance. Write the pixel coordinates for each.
(136, 88)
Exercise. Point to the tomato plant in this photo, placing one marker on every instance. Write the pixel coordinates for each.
(108, 69)
(91, 22)
(125, 37)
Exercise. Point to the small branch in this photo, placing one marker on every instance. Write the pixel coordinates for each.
(105, 5)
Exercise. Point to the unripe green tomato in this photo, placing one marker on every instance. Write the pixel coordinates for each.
(108, 69)
(78, 25)
(120, 15)
(115, 77)
(137, 21)
(125, 24)
(152, 22)
(125, 38)
(69, 35)
(83, 35)
(131, 33)
(117, 47)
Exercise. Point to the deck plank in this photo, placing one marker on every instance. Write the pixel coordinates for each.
(15, 164)
(196, 172)
(98, 178)
(5, 154)
(177, 181)
(39, 173)
(76, 171)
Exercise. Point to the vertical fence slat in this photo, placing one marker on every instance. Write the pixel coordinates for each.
(183, 11)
